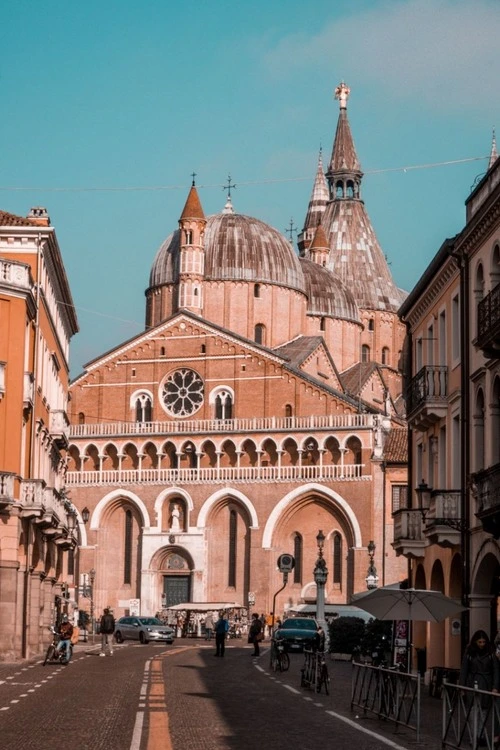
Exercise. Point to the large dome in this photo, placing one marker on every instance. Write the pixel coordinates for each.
(327, 295)
(237, 248)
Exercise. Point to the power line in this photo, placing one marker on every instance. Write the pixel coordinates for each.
(157, 188)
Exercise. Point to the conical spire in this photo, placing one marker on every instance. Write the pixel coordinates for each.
(355, 254)
(316, 208)
(344, 162)
(192, 208)
(494, 152)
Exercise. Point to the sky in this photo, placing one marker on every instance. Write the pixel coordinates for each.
(108, 106)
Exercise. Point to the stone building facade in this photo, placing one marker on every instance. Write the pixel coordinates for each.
(253, 411)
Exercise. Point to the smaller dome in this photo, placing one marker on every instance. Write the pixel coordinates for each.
(327, 295)
(165, 268)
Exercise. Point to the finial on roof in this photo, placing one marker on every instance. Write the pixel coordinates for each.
(228, 208)
(342, 94)
(494, 152)
(290, 231)
(193, 175)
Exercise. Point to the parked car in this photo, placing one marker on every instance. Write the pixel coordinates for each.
(298, 633)
(143, 629)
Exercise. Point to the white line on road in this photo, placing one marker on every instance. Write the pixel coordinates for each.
(292, 689)
(354, 725)
(136, 736)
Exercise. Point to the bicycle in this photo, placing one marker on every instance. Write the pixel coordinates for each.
(322, 676)
(280, 661)
(53, 655)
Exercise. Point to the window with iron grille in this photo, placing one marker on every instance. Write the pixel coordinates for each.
(399, 497)
(127, 573)
(233, 526)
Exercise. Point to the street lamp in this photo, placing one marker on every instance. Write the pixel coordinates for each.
(320, 574)
(92, 579)
(371, 577)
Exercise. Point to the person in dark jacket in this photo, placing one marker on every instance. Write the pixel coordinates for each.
(481, 670)
(107, 628)
(221, 629)
(255, 633)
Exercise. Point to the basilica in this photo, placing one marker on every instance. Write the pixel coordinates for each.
(262, 404)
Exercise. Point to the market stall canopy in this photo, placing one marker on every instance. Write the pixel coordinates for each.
(331, 610)
(205, 606)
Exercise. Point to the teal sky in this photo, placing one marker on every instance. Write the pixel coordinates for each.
(108, 106)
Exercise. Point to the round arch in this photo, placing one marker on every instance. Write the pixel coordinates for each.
(164, 495)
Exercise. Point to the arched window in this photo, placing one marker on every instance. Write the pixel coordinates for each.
(350, 189)
(495, 422)
(385, 355)
(259, 333)
(337, 558)
(162, 351)
(223, 405)
(371, 325)
(478, 418)
(189, 236)
(288, 410)
(81, 418)
(143, 408)
(365, 353)
(256, 290)
(322, 324)
(203, 349)
(233, 529)
(297, 553)
(339, 190)
(127, 552)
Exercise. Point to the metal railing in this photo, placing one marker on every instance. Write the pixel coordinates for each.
(470, 717)
(388, 694)
(488, 315)
(429, 384)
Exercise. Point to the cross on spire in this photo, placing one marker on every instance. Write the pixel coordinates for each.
(290, 230)
(193, 175)
(229, 186)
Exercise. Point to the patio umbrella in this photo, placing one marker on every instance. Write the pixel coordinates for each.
(407, 604)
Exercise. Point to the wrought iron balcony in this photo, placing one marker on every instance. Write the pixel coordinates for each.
(486, 492)
(488, 323)
(427, 397)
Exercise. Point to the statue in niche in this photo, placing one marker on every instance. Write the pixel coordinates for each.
(175, 524)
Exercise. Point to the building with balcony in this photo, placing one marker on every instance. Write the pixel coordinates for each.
(259, 406)
(450, 525)
(37, 542)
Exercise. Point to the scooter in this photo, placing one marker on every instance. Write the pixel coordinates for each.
(53, 655)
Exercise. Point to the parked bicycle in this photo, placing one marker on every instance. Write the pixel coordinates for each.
(314, 673)
(53, 656)
(280, 661)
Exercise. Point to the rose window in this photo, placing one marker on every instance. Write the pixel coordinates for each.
(182, 393)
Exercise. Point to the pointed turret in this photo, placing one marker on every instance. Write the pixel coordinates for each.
(192, 253)
(355, 254)
(319, 249)
(494, 152)
(316, 208)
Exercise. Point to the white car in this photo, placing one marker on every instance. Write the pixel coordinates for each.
(143, 629)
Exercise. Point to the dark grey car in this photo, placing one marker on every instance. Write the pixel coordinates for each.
(143, 629)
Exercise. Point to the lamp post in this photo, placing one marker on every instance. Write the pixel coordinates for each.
(371, 576)
(92, 579)
(320, 574)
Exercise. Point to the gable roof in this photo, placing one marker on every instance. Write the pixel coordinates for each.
(11, 220)
(396, 446)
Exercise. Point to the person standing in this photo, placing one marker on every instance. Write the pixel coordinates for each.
(209, 626)
(481, 669)
(221, 629)
(255, 634)
(107, 628)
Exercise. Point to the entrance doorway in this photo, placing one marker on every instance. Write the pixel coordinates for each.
(177, 589)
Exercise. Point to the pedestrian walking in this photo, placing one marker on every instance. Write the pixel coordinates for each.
(221, 629)
(256, 634)
(107, 628)
(209, 626)
(481, 669)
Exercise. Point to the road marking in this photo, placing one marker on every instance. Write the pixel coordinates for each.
(4, 708)
(137, 734)
(355, 725)
(292, 689)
